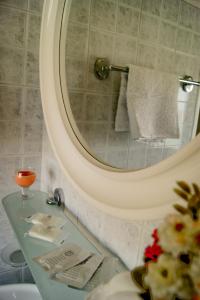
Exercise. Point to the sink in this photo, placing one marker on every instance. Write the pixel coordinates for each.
(21, 291)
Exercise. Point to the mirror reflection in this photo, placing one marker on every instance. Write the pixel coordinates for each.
(159, 41)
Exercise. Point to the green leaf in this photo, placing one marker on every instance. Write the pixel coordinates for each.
(196, 189)
(184, 186)
(181, 194)
(181, 209)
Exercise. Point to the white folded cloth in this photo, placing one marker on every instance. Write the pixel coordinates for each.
(50, 234)
(151, 98)
(121, 118)
(46, 220)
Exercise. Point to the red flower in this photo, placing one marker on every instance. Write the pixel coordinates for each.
(179, 226)
(155, 235)
(152, 252)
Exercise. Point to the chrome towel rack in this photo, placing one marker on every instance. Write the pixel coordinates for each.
(102, 69)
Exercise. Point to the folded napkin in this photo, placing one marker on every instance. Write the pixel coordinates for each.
(46, 220)
(50, 234)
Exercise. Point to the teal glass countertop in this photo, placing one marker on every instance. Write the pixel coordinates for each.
(17, 209)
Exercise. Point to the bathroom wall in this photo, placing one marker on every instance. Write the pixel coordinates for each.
(21, 119)
(21, 115)
(162, 35)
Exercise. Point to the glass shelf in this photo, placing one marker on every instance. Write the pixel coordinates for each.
(16, 210)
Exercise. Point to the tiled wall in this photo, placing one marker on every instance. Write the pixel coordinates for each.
(164, 35)
(21, 119)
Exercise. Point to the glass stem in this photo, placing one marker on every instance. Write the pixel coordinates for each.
(24, 192)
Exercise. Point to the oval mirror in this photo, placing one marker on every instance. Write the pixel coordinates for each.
(157, 39)
(146, 193)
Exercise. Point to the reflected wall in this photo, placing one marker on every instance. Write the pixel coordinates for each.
(163, 35)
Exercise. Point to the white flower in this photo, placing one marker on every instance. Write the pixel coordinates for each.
(175, 234)
(195, 273)
(164, 277)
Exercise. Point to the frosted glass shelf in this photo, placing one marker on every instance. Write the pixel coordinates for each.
(16, 210)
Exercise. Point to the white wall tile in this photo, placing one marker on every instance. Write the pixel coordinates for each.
(33, 137)
(149, 28)
(32, 69)
(33, 104)
(10, 103)
(35, 5)
(11, 65)
(125, 50)
(187, 15)
(170, 10)
(77, 105)
(128, 21)
(10, 137)
(167, 35)
(77, 40)
(133, 3)
(152, 6)
(196, 45)
(12, 27)
(97, 107)
(21, 4)
(34, 33)
(166, 60)
(79, 11)
(103, 14)
(146, 55)
(183, 40)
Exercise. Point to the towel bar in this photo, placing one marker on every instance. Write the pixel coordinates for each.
(102, 70)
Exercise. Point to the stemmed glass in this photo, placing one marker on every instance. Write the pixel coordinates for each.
(25, 178)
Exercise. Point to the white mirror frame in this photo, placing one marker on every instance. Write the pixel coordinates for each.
(144, 194)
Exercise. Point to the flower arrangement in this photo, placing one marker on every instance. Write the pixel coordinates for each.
(172, 262)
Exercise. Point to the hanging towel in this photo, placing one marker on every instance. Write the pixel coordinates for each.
(122, 117)
(151, 104)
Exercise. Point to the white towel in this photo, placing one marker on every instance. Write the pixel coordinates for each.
(50, 234)
(122, 117)
(46, 220)
(151, 104)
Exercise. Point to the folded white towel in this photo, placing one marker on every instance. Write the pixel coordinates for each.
(50, 234)
(151, 104)
(46, 220)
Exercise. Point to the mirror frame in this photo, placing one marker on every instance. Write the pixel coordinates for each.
(143, 194)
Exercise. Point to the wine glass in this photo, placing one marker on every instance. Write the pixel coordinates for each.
(25, 178)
